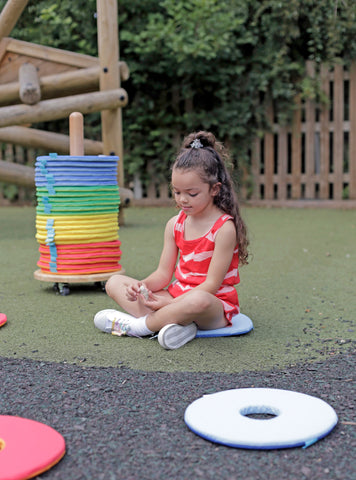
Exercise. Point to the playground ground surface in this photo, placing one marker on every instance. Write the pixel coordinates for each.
(119, 402)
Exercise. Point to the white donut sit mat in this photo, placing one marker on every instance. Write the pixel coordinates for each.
(299, 420)
(240, 324)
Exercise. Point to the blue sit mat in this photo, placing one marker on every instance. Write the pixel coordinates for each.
(240, 324)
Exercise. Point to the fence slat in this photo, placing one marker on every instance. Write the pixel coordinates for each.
(352, 150)
(269, 155)
(324, 135)
(310, 139)
(296, 151)
(338, 137)
(282, 163)
(255, 168)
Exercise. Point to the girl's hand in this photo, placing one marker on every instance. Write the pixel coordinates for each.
(155, 302)
(133, 291)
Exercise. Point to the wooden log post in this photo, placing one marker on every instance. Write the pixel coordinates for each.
(108, 47)
(9, 16)
(76, 132)
(62, 107)
(30, 90)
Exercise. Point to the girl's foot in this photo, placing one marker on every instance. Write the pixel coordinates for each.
(173, 336)
(115, 322)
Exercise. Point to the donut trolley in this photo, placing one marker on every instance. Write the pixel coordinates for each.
(77, 215)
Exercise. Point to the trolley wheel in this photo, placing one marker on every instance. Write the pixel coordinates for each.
(62, 288)
(100, 285)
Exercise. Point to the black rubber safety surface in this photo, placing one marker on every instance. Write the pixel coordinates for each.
(127, 424)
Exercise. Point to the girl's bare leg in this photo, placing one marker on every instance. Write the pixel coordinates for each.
(197, 306)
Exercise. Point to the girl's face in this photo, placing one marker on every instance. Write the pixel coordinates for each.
(191, 194)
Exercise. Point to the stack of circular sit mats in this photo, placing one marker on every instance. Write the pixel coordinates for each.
(77, 214)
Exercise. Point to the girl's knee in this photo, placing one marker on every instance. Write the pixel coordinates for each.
(108, 286)
(112, 284)
(199, 301)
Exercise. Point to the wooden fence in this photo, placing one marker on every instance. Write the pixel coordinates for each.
(314, 158)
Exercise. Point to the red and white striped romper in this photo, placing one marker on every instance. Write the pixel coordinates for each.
(194, 260)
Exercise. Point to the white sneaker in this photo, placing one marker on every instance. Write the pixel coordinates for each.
(173, 336)
(114, 322)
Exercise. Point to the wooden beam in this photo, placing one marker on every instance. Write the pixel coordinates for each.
(17, 174)
(3, 45)
(50, 54)
(67, 83)
(79, 79)
(9, 16)
(48, 141)
(62, 107)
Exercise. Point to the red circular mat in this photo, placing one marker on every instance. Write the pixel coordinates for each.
(27, 448)
(3, 319)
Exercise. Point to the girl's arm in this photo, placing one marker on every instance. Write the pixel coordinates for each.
(161, 277)
(225, 244)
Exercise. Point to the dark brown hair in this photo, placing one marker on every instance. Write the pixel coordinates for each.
(203, 153)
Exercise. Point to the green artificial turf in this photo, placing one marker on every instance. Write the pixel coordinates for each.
(299, 291)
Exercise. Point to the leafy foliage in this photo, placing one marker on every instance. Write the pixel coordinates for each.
(61, 24)
(207, 64)
(203, 64)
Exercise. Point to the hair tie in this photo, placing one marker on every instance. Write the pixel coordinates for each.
(196, 144)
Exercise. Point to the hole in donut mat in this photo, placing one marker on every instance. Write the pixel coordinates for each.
(260, 412)
(2, 444)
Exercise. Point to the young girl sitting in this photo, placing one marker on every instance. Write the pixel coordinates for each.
(208, 237)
